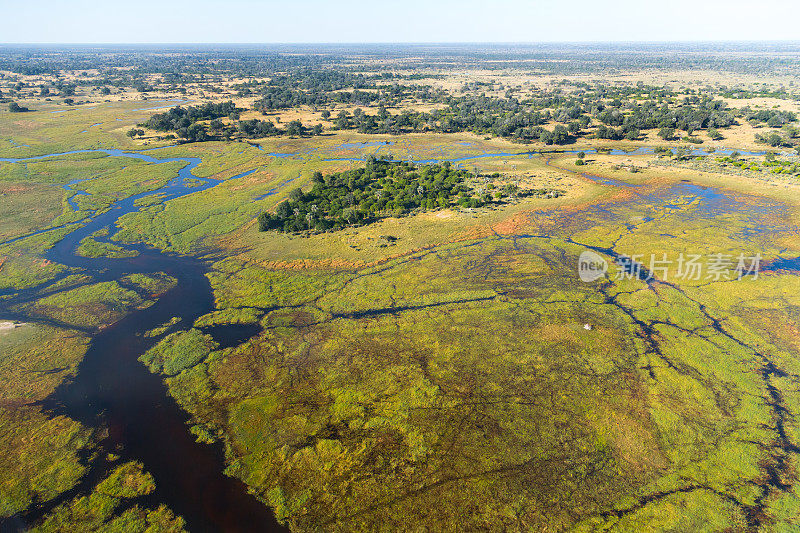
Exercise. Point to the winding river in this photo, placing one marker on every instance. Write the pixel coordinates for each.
(113, 389)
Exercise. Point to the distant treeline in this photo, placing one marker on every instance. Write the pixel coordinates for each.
(428, 60)
(328, 87)
(186, 123)
(183, 120)
(550, 117)
(525, 120)
(274, 98)
(746, 94)
(522, 121)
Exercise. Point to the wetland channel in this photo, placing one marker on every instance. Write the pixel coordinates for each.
(112, 389)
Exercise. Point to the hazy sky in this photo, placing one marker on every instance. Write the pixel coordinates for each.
(268, 21)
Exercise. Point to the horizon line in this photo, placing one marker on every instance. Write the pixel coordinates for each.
(317, 43)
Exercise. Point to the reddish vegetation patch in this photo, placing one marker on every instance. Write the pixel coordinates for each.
(253, 179)
(514, 224)
(303, 264)
(11, 404)
(16, 188)
(232, 171)
(778, 325)
(473, 233)
(622, 196)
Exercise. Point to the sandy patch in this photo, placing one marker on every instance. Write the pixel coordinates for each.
(10, 325)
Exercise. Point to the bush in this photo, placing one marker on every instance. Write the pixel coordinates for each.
(16, 108)
(179, 351)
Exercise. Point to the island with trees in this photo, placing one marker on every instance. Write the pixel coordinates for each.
(381, 188)
(341, 285)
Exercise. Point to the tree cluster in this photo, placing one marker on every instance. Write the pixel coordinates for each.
(381, 188)
(184, 120)
(203, 123)
(14, 107)
(774, 118)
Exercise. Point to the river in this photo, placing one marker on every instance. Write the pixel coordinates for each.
(112, 388)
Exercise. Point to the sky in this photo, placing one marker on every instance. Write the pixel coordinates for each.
(353, 21)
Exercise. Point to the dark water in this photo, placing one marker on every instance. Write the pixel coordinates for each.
(113, 388)
(229, 335)
(144, 423)
(785, 264)
(147, 425)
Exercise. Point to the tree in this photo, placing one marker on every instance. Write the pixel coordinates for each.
(317, 130)
(284, 210)
(326, 114)
(295, 128)
(666, 133)
(14, 107)
(342, 121)
(349, 215)
(773, 139)
(681, 154)
(560, 134)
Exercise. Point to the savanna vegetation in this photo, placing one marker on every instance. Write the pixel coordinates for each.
(446, 370)
(598, 112)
